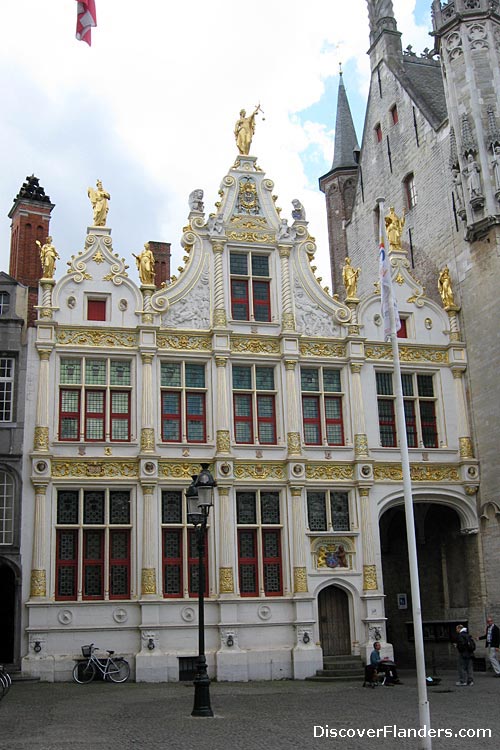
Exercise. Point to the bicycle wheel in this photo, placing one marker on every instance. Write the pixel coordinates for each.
(119, 670)
(4, 686)
(83, 672)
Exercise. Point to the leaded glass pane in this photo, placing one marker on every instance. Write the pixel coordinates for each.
(260, 265)
(119, 580)
(339, 504)
(119, 507)
(173, 547)
(70, 401)
(67, 506)
(265, 406)
(425, 384)
(93, 507)
(69, 429)
(242, 377)
(172, 579)
(248, 578)
(310, 406)
(95, 372)
(243, 406)
(195, 431)
(240, 312)
(71, 371)
(243, 432)
(120, 373)
(384, 383)
(119, 402)
(119, 545)
(93, 580)
(333, 408)
(171, 506)
(272, 578)
(407, 383)
(67, 545)
(239, 289)
(170, 375)
(95, 402)
(119, 429)
(270, 507)
(195, 404)
(93, 545)
(264, 378)
(312, 434)
(309, 379)
(239, 264)
(195, 376)
(260, 294)
(246, 511)
(94, 429)
(266, 433)
(271, 544)
(171, 431)
(316, 511)
(334, 434)
(66, 581)
(331, 381)
(171, 403)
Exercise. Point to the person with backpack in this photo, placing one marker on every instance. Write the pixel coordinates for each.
(466, 646)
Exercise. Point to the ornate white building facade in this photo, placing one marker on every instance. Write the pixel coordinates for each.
(247, 363)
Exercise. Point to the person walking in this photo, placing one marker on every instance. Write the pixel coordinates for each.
(492, 638)
(465, 647)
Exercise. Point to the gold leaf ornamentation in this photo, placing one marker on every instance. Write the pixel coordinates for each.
(185, 342)
(148, 581)
(41, 439)
(300, 580)
(254, 345)
(101, 469)
(105, 338)
(418, 472)
(259, 471)
(329, 471)
(370, 577)
(38, 585)
(317, 349)
(226, 581)
(407, 353)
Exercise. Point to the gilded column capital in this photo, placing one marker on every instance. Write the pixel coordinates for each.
(466, 447)
(300, 580)
(217, 246)
(356, 367)
(38, 583)
(226, 581)
(364, 491)
(296, 491)
(148, 489)
(361, 446)
(148, 581)
(223, 491)
(457, 373)
(290, 364)
(221, 361)
(284, 251)
(41, 439)
(44, 354)
(40, 489)
(147, 358)
(370, 577)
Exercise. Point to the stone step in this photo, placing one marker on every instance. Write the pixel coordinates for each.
(355, 673)
(20, 677)
(350, 678)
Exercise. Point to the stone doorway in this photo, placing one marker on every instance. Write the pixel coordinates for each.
(7, 613)
(334, 626)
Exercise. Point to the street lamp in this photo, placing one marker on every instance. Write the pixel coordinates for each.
(199, 496)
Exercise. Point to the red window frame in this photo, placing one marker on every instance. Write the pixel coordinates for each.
(173, 562)
(312, 420)
(193, 562)
(394, 114)
(69, 414)
(95, 415)
(243, 419)
(196, 417)
(119, 416)
(272, 561)
(402, 333)
(266, 420)
(172, 416)
(93, 563)
(251, 562)
(96, 309)
(411, 423)
(261, 307)
(388, 422)
(428, 425)
(378, 132)
(119, 561)
(335, 421)
(240, 300)
(65, 563)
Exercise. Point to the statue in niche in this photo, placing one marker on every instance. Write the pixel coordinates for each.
(99, 199)
(496, 167)
(48, 255)
(350, 277)
(298, 211)
(145, 263)
(196, 200)
(244, 130)
(394, 228)
(445, 289)
(458, 190)
(471, 173)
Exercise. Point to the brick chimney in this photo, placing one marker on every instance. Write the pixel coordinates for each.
(30, 216)
(161, 252)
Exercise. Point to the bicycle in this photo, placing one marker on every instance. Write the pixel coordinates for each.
(116, 670)
(5, 682)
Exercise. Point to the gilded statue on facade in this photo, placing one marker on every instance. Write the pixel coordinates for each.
(48, 255)
(394, 227)
(445, 289)
(145, 262)
(99, 199)
(245, 129)
(350, 277)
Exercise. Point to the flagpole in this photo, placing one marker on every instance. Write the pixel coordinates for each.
(424, 743)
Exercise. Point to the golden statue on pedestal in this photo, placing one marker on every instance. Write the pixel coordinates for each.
(445, 289)
(146, 265)
(394, 228)
(350, 277)
(245, 129)
(99, 199)
(48, 255)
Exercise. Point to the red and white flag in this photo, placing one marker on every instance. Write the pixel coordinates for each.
(85, 19)
(392, 323)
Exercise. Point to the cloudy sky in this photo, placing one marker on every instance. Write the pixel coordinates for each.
(150, 107)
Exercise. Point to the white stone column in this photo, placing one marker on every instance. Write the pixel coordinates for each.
(358, 413)
(38, 586)
(299, 541)
(368, 546)
(219, 316)
(41, 438)
(464, 436)
(147, 429)
(149, 542)
(292, 412)
(226, 543)
(223, 441)
(287, 318)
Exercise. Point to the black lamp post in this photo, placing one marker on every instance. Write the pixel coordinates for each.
(199, 496)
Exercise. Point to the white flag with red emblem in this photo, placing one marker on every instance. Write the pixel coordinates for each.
(85, 19)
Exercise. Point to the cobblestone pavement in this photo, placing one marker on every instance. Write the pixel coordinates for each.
(248, 716)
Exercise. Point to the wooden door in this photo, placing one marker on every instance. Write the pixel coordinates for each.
(333, 613)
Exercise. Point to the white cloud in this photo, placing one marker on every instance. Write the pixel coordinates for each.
(150, 107)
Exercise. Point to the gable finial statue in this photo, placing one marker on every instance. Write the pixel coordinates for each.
(350, 278)
(445, 288)
(145, 263)
(48, 255)
(99, 199)
(245, 129)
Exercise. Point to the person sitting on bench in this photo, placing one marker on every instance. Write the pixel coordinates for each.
(384, 665)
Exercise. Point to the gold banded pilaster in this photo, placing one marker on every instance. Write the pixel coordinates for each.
(226, 581)
(38, 585)
(300, 580)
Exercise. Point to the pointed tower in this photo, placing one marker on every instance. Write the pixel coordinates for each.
(30, 216)
(385, 39)
(339, 184)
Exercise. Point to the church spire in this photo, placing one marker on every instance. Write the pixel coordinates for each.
(346, 142)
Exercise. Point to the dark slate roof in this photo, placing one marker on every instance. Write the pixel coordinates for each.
(345, 135)
(423, 79)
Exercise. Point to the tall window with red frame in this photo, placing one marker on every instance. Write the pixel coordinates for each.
(93, 544)
(180, 550)
(183, 402)
(96, 309)
(254, 404)
(250, 287)
(419, 406)
(260, 565)
(322, 405)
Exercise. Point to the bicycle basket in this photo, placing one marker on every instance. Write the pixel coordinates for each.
(87, 651)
